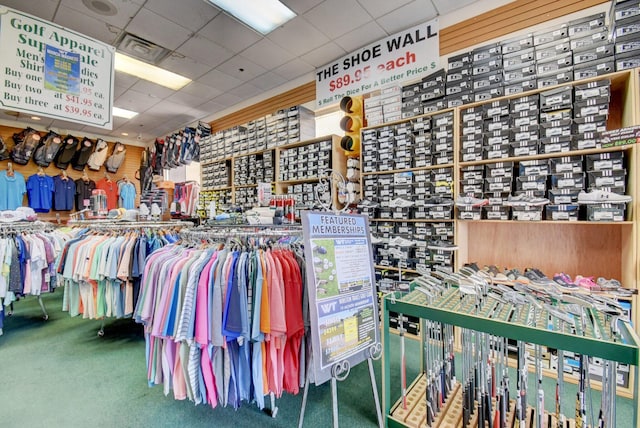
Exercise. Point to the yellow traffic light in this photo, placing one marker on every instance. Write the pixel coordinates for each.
(351, 124)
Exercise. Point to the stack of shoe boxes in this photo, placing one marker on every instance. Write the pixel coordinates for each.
(525, 125)
(567, 180)
(626, 31)
(556, 112)
(216, 174)
(592, 50)
(518, 59)
(433, 92)
(531, 181)
(253, 169)
(304, 196)
(246, 197)
(472, 135)
(496, 131)
(442, 138)
(606, 171)
(554, 58)
(222, 199)
(497, 188)
(304, 162)
(411, 104)
(458, 87)
(486, 72)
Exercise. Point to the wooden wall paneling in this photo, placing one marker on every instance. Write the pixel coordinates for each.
(300, 95)
(512, 17)
(129, 168)
(584, 249)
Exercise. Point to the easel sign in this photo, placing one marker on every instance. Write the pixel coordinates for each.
(342, 294)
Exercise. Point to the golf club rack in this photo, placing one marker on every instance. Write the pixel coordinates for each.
(474, 331)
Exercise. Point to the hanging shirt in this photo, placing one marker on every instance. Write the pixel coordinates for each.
(12, 190)
(40, 192)
(111, 190)
(83, 192)
(64, 191)
(127, 198)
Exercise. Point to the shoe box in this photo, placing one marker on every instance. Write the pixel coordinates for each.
(303, 162)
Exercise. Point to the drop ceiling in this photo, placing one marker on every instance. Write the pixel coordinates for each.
(231, 65)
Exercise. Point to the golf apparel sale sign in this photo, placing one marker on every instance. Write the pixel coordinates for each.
(341, 284)
(408, 55)
(47, 70)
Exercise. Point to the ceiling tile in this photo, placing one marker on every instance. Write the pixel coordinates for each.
(87, 25)
(201, 90)
(246, 91)
(301, 6)
(124, 80)
(151, 89)
(227, 100)
(205, 51)
(211, 107)
(268, 80)
(446, 6)
(184, 65)
(186, 99)
(190, 14)
(154, 28)
(219, 80)
(377, 8)
(126, 10)
(249, 68)
(229, 33)
(166, 109)
(323, 55)
(42, 9)
(268, 54)
(294, 69)
(136, 101)
(407, 16)
(298, 36)
(337, 17)
(368, 33)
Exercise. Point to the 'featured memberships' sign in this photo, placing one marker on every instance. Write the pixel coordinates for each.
(51, 71)
(408, 55)
(341, 286)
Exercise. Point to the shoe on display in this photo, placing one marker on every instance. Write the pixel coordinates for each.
(440, 245)
(587, 283)
(375, 240)
(608, 284)
(523, 200)
(437, 202)
(470, 201)
(598, 196)
(400, 203)
(398, 241)
(366, 203)
(564, 280)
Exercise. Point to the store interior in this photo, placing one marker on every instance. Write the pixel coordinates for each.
(303, 217)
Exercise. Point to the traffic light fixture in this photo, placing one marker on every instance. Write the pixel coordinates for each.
(351, 123)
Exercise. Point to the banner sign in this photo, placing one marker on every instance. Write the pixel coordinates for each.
(47, 70)
(342, 291)
(408, 55)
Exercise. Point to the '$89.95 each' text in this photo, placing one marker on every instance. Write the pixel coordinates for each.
(350, 78)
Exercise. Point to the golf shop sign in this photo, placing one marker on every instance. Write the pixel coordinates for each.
(408, 55)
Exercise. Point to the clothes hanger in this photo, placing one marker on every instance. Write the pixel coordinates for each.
(40, 171)
(9, 169)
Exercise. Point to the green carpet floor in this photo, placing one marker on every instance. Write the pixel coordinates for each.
(60, 373)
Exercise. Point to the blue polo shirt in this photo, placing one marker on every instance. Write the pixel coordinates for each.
(12, 189)
(64, 192)
(40, 192)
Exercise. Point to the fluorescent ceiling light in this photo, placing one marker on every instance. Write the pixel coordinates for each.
(263, 16)
(142, 70)
(120, 112)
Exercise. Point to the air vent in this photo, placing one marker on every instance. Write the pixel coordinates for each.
(141, 49)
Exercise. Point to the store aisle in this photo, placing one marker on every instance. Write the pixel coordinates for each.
(59, 373)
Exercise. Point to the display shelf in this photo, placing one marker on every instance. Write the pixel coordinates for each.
(413, 118)
(623, 350)
(395, 269)
(547, 156)
(568, 222)
(300, 181)
(420, 168)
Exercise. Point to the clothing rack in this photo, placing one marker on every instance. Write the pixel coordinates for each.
(117, 224)
(227, 234)
(19, 227)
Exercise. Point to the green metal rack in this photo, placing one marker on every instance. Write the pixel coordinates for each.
(625, 351)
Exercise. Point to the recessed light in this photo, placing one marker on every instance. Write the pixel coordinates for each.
(142, 70)
(124, 134)
(35, 118)
(264, 16)
(126, 114)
